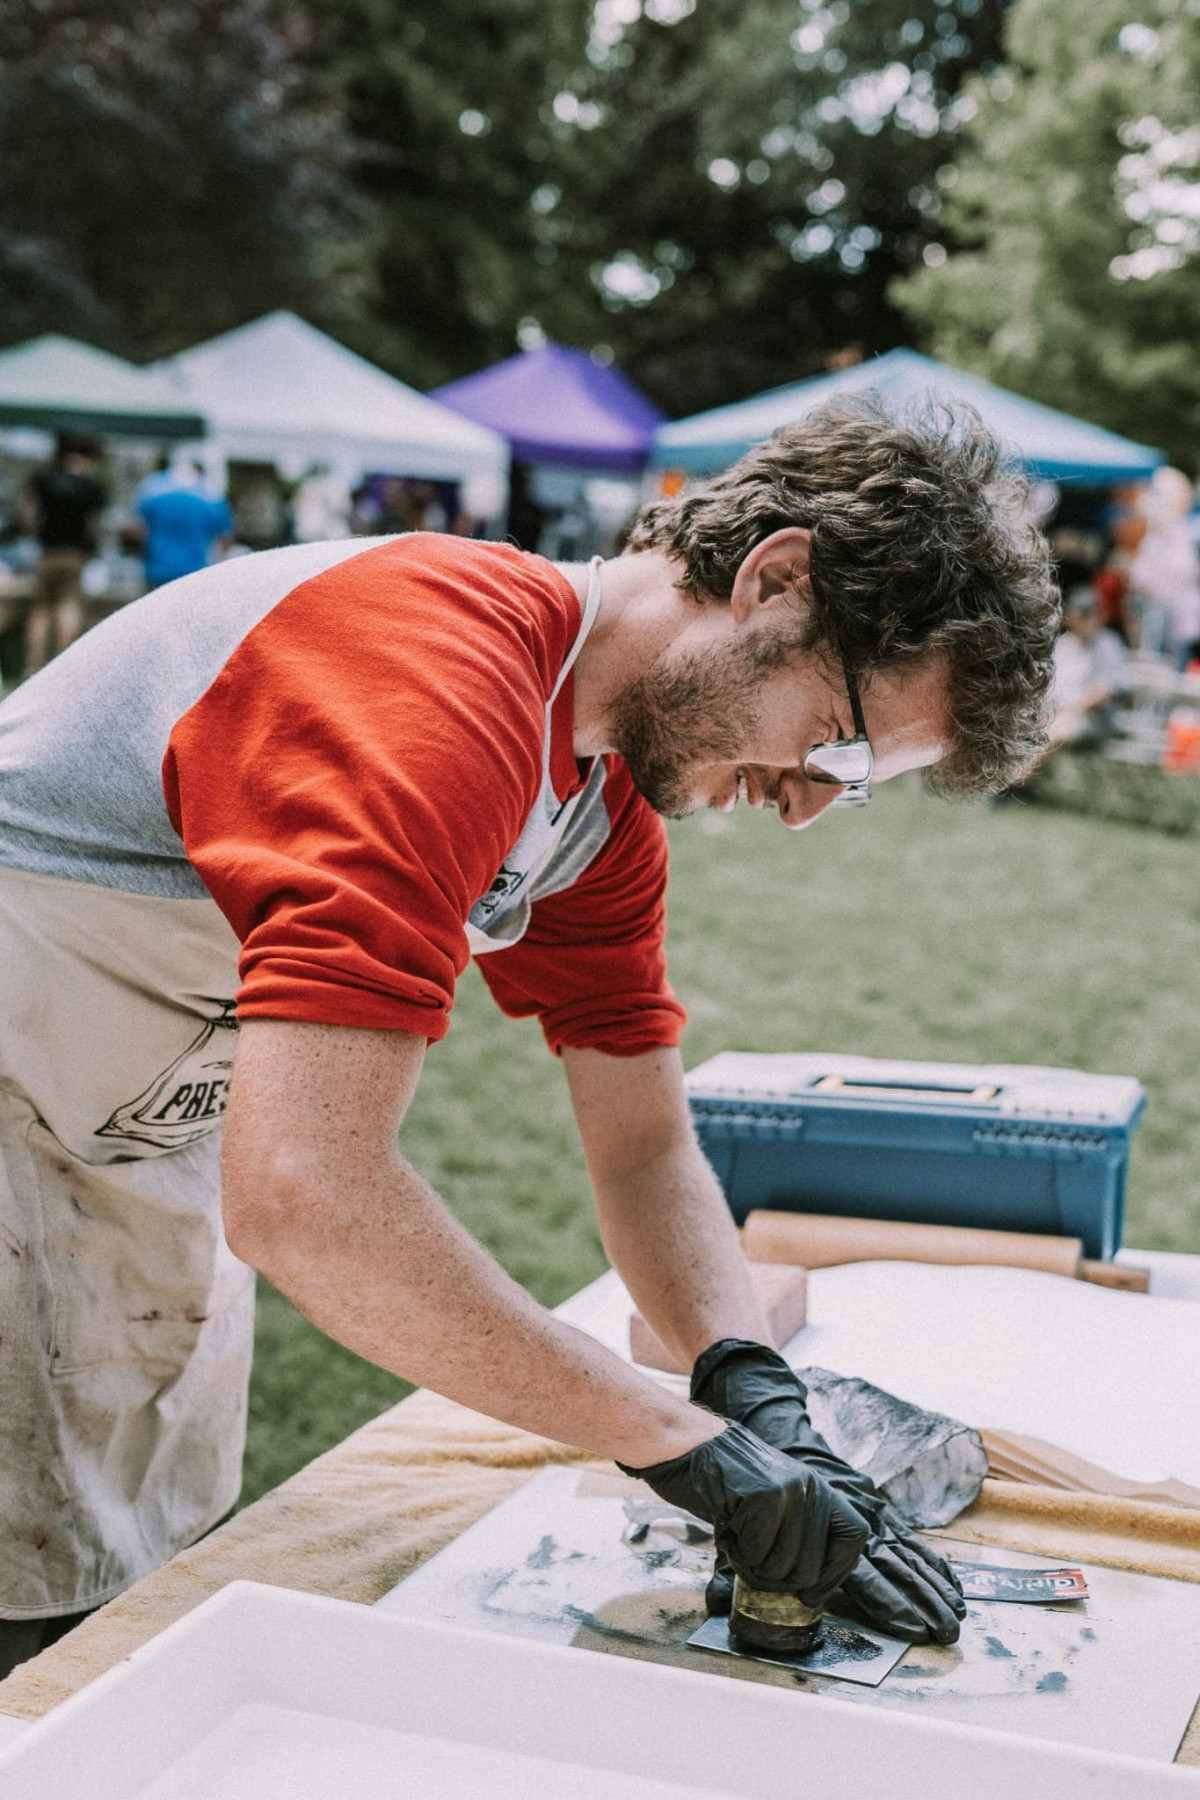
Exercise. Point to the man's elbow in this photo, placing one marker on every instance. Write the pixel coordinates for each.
(267, 1198)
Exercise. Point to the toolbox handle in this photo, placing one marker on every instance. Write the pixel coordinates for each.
(875, 1090)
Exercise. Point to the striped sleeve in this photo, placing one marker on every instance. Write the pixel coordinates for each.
(349, 784)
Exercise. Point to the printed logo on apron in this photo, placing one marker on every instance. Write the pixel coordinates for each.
(186, 1101)
(524, 859)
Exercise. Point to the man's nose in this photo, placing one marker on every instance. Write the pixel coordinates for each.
(802, 801)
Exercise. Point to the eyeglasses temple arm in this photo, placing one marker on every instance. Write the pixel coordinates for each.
(856, 711)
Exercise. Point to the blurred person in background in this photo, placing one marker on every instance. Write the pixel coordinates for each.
(1091, 667)
(1164, 574)
(425, 511)
(320, 507)
(63, 504)
(526, 519)
(182, 522)
(261, 517)
(366, 513)
(400, 512)
(1111, 588)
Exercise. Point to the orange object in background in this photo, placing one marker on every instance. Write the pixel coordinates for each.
(1181, 753)
(1111, 586)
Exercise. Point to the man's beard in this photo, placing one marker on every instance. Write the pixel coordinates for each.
(682, 716)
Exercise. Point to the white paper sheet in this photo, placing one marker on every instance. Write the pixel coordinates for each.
(1109, 1376)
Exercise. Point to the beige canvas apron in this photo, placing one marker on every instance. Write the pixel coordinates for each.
(126, 1324)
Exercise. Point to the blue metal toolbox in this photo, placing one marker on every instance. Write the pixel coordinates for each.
(1002, 1147)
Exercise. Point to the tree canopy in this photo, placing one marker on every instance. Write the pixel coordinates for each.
(723, 195)
(1072, 215)
(718, 192)
(167, 170)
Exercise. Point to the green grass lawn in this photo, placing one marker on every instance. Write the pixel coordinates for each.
(916, 929)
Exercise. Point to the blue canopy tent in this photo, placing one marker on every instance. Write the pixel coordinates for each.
(1051, 445)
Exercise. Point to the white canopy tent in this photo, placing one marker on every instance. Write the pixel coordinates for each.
(55, 383)
(279, 391)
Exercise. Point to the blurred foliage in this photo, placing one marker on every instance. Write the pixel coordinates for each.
(1075, 208)
(722, 195)
(168, 170)
(717, 192)
(759, 174)
(444, 99)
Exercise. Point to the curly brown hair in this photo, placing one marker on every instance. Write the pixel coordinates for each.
(920, 546)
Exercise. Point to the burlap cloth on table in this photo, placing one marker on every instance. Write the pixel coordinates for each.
(357, 1520)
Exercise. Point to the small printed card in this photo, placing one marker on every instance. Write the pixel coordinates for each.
(987, 1581)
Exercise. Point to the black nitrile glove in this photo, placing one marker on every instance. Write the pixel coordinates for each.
(899, 1585)
(777, 1523)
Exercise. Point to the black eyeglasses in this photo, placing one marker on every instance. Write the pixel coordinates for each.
(847, 763)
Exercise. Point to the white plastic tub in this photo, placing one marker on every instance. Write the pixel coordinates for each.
(262, 1693)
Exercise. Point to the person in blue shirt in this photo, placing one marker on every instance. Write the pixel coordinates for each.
(181, 522)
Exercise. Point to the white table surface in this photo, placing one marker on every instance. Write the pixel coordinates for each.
(603, 1308)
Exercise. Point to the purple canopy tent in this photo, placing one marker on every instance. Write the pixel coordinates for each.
(556, 405)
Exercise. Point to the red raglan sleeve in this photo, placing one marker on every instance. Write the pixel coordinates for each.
(592, 964)
(349, 784)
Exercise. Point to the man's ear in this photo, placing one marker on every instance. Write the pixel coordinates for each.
(774, 573)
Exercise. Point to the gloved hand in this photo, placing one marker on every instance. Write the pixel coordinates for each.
(777, 1523)
(899, 1585)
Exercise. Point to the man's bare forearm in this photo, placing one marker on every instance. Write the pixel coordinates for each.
(668, 1231)
(372, 1256)
(663, 1217)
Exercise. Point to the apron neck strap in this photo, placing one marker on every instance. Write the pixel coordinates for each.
(590, 610)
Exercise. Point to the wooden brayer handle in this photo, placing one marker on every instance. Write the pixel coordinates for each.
(821, 1241)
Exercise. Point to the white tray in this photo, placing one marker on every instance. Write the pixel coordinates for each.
(263, 1694)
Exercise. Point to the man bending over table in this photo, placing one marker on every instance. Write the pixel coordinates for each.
(275, 806)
